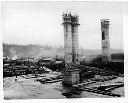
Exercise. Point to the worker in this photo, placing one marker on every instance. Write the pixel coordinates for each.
(16, 77)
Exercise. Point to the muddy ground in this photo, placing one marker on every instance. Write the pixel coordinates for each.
(28, 87)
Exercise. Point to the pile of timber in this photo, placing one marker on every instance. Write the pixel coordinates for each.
(94, 80)
(50, 80)
(102, 79)
(102, 89)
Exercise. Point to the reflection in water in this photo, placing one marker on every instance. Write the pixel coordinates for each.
(71, 92)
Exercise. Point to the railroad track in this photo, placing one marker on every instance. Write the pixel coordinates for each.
(104, 92)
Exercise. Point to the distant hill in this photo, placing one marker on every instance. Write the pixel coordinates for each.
(38, 51)
(35, 51)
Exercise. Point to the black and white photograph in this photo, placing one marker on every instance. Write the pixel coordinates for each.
(62, 49)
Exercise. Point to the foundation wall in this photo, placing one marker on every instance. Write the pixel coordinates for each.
(70, 77)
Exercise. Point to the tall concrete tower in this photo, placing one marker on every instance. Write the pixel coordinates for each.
(75, 41)
(67, 23)
(105, 40)
(70, 73)
(71, 43)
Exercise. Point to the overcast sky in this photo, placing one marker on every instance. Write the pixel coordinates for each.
(40, 22)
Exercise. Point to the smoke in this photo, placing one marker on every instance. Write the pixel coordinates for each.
(36, 52)
(12, 52)
(14, 57)
(53, 52)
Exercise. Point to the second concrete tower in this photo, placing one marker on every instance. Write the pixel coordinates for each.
(105, 40)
